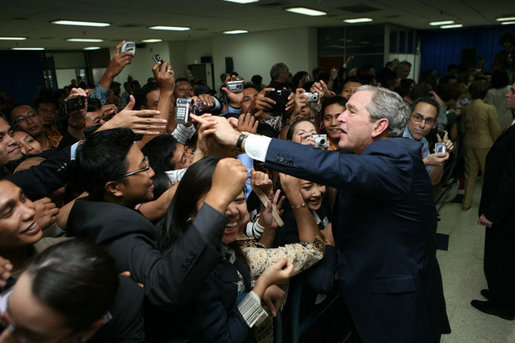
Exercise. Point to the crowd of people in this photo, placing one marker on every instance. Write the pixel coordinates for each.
(120, 222)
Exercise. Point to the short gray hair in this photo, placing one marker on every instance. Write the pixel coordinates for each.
(389, 105)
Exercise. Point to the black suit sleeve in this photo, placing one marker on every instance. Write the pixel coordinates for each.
(41, 180)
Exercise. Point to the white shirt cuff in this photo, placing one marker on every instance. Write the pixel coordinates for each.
(257, 146)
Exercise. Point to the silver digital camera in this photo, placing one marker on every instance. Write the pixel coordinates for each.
(129, 47)
(312, 97)
(235, 86)
(320, 141)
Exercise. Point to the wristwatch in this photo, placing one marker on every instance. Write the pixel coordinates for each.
(240, 141)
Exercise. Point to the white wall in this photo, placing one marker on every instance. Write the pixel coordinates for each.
(141, 65)
(64, 77)
(252, 53)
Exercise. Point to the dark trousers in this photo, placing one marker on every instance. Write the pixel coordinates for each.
(499, 266)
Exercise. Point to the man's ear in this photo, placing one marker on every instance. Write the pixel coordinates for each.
(89, 332)
(114, 188)
(379, 127)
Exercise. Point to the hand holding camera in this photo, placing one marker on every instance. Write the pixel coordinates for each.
(120, 59)
(164, 75)
(234, 92)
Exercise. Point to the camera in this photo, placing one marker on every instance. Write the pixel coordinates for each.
(235, 86)
(74, 104)
(312, 97)
(440, 148)
(183, 109)
(320, 141)
(281, 99)
(158, 59)
(129, 47)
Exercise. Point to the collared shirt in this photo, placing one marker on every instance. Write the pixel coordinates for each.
(425, 144)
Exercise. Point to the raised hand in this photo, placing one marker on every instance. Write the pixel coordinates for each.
(140, 122)
(165, 76)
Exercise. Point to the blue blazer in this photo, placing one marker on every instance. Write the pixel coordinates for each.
(384, 226)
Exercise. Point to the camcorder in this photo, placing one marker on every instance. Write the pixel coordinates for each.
(281, 99)
(320, 141)
(129, 47)
(312, 97)
(74, 104)
(235, 86)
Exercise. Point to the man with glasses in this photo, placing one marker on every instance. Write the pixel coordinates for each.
(118, 177)
(30, 121)
(422, 121)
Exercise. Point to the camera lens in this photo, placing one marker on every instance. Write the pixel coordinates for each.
(322, 141)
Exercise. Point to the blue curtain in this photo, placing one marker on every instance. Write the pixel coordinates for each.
(439, 48)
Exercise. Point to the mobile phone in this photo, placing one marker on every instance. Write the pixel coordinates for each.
(129, 47)
(74, 104)
(281, 99)
(440, 148)
(183, 109)
(158, 59)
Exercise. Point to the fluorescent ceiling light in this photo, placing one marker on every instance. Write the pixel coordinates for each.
(85, 40)
(152, 40)
(242, 1)
(357, 20)
(92, 48)
(443, 22)
(306, 11)
(28, 49)
(235, 32)
(13, 38)
(80, 23)
(508, 22)
(170, 28)
(505, 19)
(451, 26)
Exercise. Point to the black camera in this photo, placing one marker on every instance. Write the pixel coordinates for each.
(281, 99)
(74, 104)
(158, 59)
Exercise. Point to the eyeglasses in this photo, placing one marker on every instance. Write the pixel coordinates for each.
(418, 118)
(22, 119)
(147, 167)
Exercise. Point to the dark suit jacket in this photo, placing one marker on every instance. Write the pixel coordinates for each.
(384, 226)
(41, 180)
(170, 280)
(498, 196)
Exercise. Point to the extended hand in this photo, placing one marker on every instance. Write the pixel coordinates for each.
(482, 220)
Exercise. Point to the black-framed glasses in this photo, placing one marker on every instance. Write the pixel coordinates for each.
(147, 167)
(418, 118)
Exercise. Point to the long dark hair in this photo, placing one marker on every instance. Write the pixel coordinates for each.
(160, 151)
(76, 279)
(195, 183)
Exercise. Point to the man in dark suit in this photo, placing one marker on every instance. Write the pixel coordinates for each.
(497, 214)
(385, 220)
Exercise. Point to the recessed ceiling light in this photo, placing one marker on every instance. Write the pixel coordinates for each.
(505, 18)
(306, 11)
(27, 48)
(443, 22)
(235, 32)
(85, 40)
(451, 26)
(13, 38)
(357, 20)
(170, 28)
(80, 23)
(152, 40)
(508, 22)
(242, 1)
(92, 48)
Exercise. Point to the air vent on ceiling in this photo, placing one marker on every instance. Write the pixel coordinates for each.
(20, 18)
(358, 9)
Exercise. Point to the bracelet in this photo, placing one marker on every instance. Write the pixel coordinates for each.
(298, 206)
